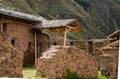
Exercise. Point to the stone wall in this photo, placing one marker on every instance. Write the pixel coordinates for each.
(58, 40)
(91, 46)
(109, 62)
(72, 58)
(43, 42)
(11, 60)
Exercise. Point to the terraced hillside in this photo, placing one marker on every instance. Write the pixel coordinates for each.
(97, 17)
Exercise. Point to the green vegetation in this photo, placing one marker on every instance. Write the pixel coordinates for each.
(102, 77)
(83, 3)
(74, 75)
(29, 72)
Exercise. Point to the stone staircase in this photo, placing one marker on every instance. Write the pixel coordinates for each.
(49, 53)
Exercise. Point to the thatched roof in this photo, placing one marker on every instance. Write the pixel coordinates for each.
(20, 15)
(114, 34)
(59, 25)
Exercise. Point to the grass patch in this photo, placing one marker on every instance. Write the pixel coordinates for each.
(29, 72)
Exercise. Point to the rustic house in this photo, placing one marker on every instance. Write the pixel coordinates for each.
(24, 32)
(109, 64)
(19, 28)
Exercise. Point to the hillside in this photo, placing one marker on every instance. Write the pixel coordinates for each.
(98, 18)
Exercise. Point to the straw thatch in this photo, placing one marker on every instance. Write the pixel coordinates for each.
(59, 25)
(20, 15)
(114, 34)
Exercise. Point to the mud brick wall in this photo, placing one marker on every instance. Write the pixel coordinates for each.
(110, 64)
(21, 36)
(58, 40)
(91, 46)
(97, 45)
(106, 64)
(43, 42)
(11, 60)
(72, 58)
(21, 33)
(80, 44)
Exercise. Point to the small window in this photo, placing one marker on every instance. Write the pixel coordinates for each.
(5, 27)
(13, 42)
(29, 45)
(55, 43)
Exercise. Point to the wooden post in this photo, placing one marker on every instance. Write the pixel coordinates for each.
(118, 76)
(65, 34)
(35, 49)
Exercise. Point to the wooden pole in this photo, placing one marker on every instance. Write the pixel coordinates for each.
(35, 49)
(65, 34)
(118, 76)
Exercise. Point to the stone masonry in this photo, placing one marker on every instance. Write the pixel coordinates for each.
(10, 59)
(57, 59)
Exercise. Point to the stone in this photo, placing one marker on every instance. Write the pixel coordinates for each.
(10, 59)
(72, 58)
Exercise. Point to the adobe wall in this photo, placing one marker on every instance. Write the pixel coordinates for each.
(11, 60)
(22, 34)
(72, 58)
(43, 42)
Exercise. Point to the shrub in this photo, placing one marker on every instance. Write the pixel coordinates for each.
(73, 75)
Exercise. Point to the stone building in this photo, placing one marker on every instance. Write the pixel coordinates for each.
(109, 60)
(19, 27)
(24, 32)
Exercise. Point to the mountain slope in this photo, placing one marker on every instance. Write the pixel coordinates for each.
(98, 17)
